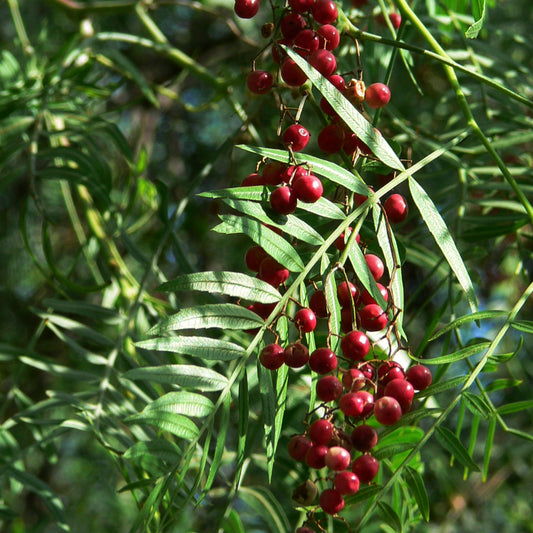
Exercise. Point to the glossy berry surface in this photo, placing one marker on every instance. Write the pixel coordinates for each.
(331, 501)
(292, 74)
(324, 11)
(377, 95)
(322, 361)
(375, 265)
(419, 376)
(283, 200)
(308, 189)
(254, 256)
(351, 404)
(246, 9)
(338, 458)
(373, 318)
(324, 61)
(364, 438)
(306, 42)
(329, 36)
(346, 293)
(301, 6)
(317, 303)
(346, 482)
(259, 81)
(295, 137)
(328, 388)
(355, 345)
(321, 431)
(252, 179)
(316, 456)
(402, 391)
(305, 320)
(296, 355)
(387, 410)
(331, 139)
(366, 297)
(298, 447)
(271, 356)
(291, 24)
(365, 468)
(353, 380)
(273, 272)
(272, 173)
(396, 208)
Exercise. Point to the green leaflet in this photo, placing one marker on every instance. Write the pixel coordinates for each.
(450, 442)
(227, 283)
(178, 425)
(464, 353)
(182, 403)
(418, 490)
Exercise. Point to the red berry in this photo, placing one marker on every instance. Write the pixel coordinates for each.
(324, 61)
(368, 371)
(346, 482)
(396, 208)
(351, 404)
(355, 345)
(329, 36)
(316, 456)
(321, 431)
(368, 402)
(387, 410)
(283, 200)
(331, 501)
(305, 320)
(338, 458)
(259, 81)
(254, 256)
(306, 42)
(347, 319)
(272, 173)
(317, 303)
(331, 139)
(396, 20)
(296, 355)
(298, 447)
(263, 310)
(301, 6)
(324, 11)
(352, 143)
(246, 9)
(322, 361)
(308, 189)
(273, 272)
(377, 95)
(365, 468)
(390, 370)
(278, 54)
(419, 376)
(364, 438)
(252, 179)
(271, 356)
(291, 24)
(353, 380)
(292, 74)
(328, 388)
(295, 137)
(402, 391)
(346, 293)
(375, 265)
(367, 299)
(373, 318)
(342, 239)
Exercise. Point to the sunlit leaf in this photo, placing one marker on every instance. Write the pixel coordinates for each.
(182, 403)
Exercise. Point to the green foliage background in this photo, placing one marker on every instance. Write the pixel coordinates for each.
(114, 116)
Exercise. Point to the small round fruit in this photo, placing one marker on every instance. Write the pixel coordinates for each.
(346, 482)
(301, 6)
(316, 456)
(283, 200)
(342, 239)
(375, 265)
(246, 9)
(321, 431)
(292, 74)
(317, 303)
(328, 388)
(308, 189)
(353, 380)
(263, 310)
(351, 404)
(377, 95)
(331, 139)
(365, 468)
(259, 81)
(252, 180)
(254, 256)
(390, 370)
(346, 293)
(292, 24)
(306, 42)
(295, 137)
(387, 410)
(396, 20)
(296, 355)
(338, 458)
(271, 356)
(364, 438)
(373, 318)
(305, 320)
(324, 11)
(402, 391)
(331, 501)
(355, 345)
(419, 376)
(396, 208)
(329, 37)
(368, 402)
(347, 319)
(367, 298)
(272, 173)
(273, 272)
(298, 446)
(322, 361)
(324, 61)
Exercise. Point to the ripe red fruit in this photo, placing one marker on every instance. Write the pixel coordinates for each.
(298, 447)
(352, 143)
(351, 404)
(278, 54)
(331, 501)
(324, 61)
(273, 272)
(396, 208)
(387, 410)
(254, 256)
(353, 380)
(252, 179)
(346, 482)
(271, 356)
(367, 299)
(402, 391)
(344, 290)
(375, 265)
(305, 320)
(308, 189)
(306, 42)
(328, 388)
(338, 458)
(365, 468)
(324, 11)
(246, 9)
(259, 81)
(368, 402)
(377, 95)
(317, 303)
(292, 74)
(373, 318)
(296, 355)
(364, 438)
(321, 431)
(390, 370)
(283, 200)
(347, 319)
(272, 173)
(316, 456)
(329, 36)
(355, 345)
(263, 310)
(396, 20)
(322, 361)
(419, 376)
(291, 24)
(295, 137)
(301, 6)
(331, 139)
(341, 240)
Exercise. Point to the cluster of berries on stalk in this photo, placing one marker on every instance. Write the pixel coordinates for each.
(357, 387)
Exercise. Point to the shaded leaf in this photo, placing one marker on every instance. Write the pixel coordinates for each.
(418, 490)
(477, 405)
(263, 502)
(466, 319)
(450, 442)
(515, 407)
(178, 425)
(523, 325)
(389, 516)
(182, 403)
